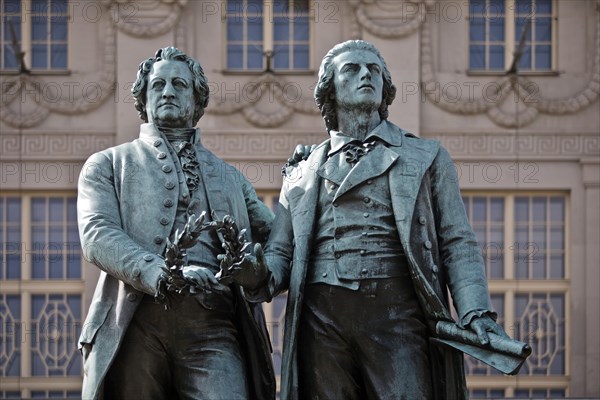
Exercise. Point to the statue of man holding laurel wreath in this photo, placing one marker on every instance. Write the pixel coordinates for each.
(154, 215)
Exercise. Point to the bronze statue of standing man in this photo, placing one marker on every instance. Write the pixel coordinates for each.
(369, 235)
(210, 343)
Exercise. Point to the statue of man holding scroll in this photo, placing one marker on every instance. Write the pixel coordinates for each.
(369, 237)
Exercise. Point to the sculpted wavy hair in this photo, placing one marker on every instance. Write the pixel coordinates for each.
(200, 83)
(325, 89)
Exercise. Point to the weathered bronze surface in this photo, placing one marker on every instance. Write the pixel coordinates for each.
(209, 343)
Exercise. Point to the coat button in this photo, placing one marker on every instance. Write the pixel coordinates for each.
(435, 269)
(162, 155)
(422, 220)
(168, 203)
(369, 181)
(364, 271)
(324, 275)
(148, 257)
(335, 204)
(428, 245)
(337, 255)
(136, 272)
(158, 239)
(366, 215)
(157, 142)
(131, 296)
(169, 185)
(367, 200)
(363, 252)
(164, 221)
(167, 168)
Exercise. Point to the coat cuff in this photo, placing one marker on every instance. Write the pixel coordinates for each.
(467, 319)
(147, 274)
(264, 293)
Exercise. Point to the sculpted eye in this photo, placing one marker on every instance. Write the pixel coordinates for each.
(180, 83)
(157, 84)
(375, 69)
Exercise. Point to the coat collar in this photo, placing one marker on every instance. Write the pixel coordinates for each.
(385, 132)
(149, 132)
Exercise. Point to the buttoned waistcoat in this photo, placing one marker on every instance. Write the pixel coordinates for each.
(127, 200)
(436, 237)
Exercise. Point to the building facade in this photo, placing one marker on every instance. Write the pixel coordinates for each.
(510, 87)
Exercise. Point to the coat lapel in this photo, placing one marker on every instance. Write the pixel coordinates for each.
(331, 170)
(212, 179)
(371, 165)
(404, 180)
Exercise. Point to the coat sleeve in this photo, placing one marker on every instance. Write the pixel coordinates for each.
(280, 248)
(259, 214)
(459, 252)
(104, 242)
(278, 253)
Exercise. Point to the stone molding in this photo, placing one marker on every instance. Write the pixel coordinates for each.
(278, 145)
(133, 27)
(407, 23)
(252, 146)
(525, 146)
(53, 146)
(33, 88)
(275, 87)
(534, 103)
(411, 19)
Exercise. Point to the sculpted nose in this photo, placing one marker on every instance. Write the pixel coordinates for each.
(168, 91)
(365, 73)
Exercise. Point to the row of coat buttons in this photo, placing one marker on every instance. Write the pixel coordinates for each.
(167, 203)
(166, 168)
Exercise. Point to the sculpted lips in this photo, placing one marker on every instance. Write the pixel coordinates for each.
(168, 104)
(366, 86)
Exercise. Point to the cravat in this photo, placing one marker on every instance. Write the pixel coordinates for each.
(180, 139)
(355, 150)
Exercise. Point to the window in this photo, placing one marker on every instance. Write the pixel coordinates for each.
(41, 29)
(271, 34)
(41, 296)
(523, 240)
(497, 26)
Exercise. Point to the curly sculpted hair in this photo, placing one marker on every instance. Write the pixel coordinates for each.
(325, 89)
(200, 83)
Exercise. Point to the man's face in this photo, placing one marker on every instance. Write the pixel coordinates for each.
(358, 79)
(170, 95)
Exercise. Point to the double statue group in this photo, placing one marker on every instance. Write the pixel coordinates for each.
(369, 237)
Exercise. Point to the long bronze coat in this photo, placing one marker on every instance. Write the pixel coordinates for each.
(126, 207)
(432, 225)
